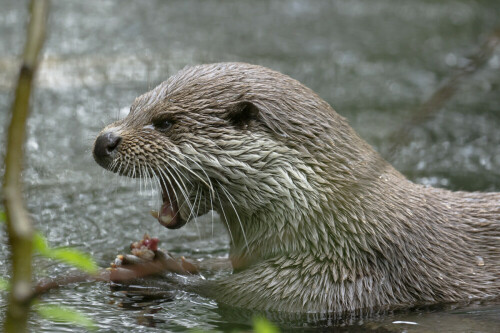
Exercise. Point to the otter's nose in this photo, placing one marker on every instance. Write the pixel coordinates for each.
(104, 148)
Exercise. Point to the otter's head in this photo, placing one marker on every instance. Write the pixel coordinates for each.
(237, 138)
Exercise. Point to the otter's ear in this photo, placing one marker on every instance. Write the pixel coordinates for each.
(242, 113)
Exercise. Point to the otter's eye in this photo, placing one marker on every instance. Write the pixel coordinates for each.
(162, 125)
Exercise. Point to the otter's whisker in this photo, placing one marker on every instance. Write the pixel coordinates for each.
(146, 177)
(181, 175)
(194, 204)
(192, 213)
(212, 213)
(164, 181)
(225, 218)
(154, 181)
(183, 191)
(209, 184)
(128, 169)
(113, 165)
(180, 207)
(140, 178)
(210, 194)
(120, 166)
(201, 168)
(178, 172)
(198, 188)
(198, 208)
(236, 212)
(143, 178)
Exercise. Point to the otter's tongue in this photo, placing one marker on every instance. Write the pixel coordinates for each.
(168, 215)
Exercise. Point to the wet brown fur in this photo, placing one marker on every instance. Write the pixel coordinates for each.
(322, 221)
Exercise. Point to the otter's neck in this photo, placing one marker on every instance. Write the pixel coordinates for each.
(382, 226)
(343, 198)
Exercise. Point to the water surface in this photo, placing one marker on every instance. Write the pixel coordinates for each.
(374, 61)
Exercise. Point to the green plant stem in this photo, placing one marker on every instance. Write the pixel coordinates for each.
(19, 225)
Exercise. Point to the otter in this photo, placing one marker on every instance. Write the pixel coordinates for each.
(318, 220)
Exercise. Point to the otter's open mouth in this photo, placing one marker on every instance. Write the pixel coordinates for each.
(169, 215)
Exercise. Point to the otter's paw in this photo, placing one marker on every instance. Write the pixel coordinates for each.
(147, 259)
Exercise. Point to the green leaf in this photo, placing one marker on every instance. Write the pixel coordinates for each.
(74, 258)
(66, 255)
(40, 243)
(3, 217)
(4, 284)
(262, 325)
(64, 314)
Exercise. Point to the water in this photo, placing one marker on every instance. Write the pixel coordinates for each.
(374, 61)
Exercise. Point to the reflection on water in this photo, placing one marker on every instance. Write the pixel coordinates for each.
(374, 61)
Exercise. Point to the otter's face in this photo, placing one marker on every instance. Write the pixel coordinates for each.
(204, 138)
(188, 151)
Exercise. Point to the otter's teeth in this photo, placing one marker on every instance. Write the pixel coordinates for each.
(167, 216)
(166, 219)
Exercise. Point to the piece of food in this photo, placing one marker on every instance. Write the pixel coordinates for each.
(145, 248)
(146, 251)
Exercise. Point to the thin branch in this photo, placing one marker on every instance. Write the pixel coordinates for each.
(445, 92)
(19, 226)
